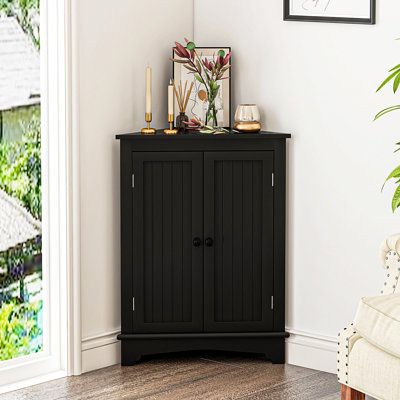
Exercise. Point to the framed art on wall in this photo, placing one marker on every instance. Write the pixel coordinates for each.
(198, 101)
(345, 11)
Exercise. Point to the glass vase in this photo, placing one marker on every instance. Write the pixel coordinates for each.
(212, 111)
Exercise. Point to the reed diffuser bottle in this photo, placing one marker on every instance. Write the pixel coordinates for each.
(182, 97)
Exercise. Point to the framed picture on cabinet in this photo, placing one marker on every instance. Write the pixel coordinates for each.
(198, 101)
(344, 11)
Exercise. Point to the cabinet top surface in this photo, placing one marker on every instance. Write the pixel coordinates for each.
(204, 136)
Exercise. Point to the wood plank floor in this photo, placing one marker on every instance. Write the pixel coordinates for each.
(193, 376)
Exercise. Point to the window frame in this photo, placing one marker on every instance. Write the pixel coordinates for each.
(61, 355)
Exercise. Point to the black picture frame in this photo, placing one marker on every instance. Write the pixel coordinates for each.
(344, 20)
(216, 48)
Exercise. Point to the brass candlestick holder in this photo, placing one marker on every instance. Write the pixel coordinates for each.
(148, 130)
(171, 130)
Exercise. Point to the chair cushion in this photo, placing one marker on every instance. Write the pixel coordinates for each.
(378, 321)
(373, 371)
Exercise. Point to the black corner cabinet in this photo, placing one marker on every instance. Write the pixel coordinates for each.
(203, 244)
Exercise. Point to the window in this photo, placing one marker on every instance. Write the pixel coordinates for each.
(33, 192)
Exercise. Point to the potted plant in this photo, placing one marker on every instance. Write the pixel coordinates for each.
(394, 76)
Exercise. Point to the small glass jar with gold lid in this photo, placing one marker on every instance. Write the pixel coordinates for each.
(247, 118)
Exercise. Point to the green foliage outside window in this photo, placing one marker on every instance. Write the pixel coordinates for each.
(20, 176)
(27, 14)
(20, 168)
(21, 332)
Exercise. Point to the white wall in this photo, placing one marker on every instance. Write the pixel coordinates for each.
(317, 81)
(116, 41)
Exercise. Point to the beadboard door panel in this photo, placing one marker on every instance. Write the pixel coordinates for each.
(167, 266)
(238, 263)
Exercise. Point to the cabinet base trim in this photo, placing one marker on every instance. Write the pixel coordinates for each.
(272, 345)
(140, 336)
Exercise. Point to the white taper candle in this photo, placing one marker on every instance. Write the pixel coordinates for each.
(148, 90)
(170, 98)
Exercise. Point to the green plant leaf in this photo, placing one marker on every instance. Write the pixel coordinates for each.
(394, 174)
(396, 83)
(190, 46)
(386, 111)
(394, 68)
(199, 78)
(221, 53)
(388, 79)
(396, 199)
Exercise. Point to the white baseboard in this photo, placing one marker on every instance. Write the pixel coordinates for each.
(304, 349)
(100, 351)
(311, 350)
(32, 382)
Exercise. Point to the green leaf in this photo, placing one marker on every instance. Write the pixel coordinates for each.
(388, 79)
(213, 85)
(396, 83)
(199, 78)
(394, 174)
(396, 199)
(386, 111)
(394, 68)
(221, 53)
(190, 46)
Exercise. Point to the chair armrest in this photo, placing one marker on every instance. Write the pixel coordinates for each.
(346, 339)
(390, 258)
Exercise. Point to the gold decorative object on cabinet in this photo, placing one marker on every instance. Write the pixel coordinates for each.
(148, 130)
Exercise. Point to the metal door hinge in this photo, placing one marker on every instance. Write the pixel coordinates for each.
(133, 180)
(272, 302)
(133, 304)
(272, 179)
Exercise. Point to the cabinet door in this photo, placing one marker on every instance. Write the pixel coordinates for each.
(167, 260)
(238, 256)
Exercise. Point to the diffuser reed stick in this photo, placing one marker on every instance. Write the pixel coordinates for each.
(183, 95)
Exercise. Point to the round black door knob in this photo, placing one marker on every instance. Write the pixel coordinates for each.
(209, 242)
(196, 242)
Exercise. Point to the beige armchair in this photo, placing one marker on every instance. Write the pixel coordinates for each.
(369, 349)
